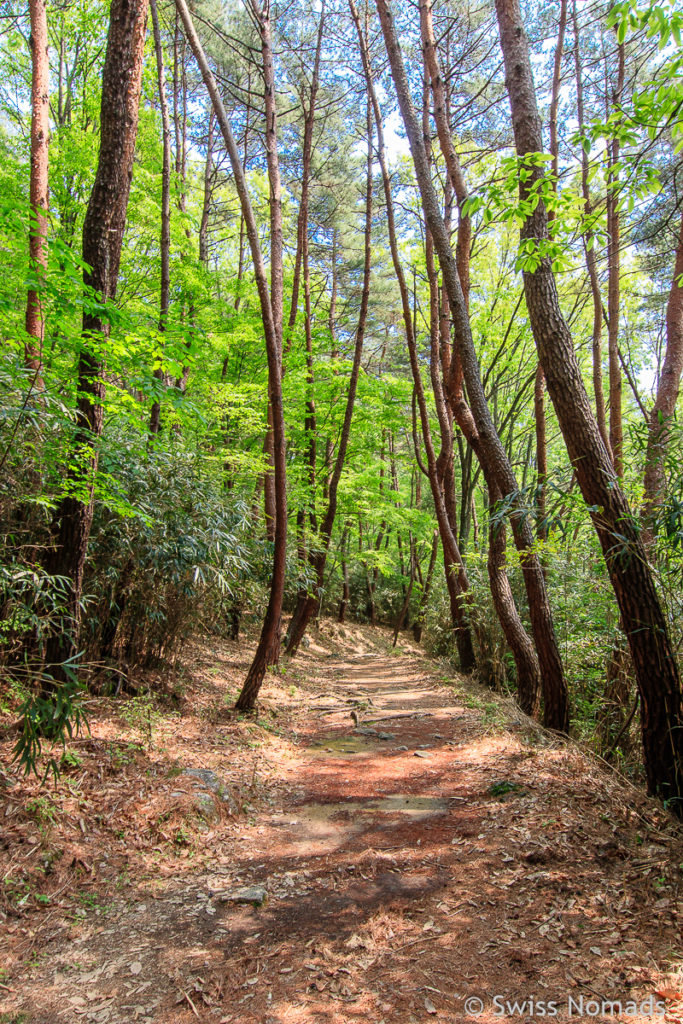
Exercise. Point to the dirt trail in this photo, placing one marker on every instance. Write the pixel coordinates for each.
(443, 850)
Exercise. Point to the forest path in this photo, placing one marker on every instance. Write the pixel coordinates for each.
(445, 850)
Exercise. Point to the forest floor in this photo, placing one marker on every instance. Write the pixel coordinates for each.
(445, 860)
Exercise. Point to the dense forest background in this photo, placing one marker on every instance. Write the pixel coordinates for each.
(273, 346)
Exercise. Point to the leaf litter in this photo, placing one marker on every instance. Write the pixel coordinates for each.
(131, 892)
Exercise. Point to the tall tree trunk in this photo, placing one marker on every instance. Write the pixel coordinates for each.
(616, 434)
(270, 632)
(589, 248)
(516, 636)
(346, 588)
(302, 258)
(555, 93)
(38, 188)
(103, 229)
(541, 454)
(165, 240)
(261, 16)
(657, 674)
(418, 625)
(443, 128)
(456, 578)
(495, 464)
(667, 389)
(308, 604)
(208, 190)
(527, 665)
(539, 386)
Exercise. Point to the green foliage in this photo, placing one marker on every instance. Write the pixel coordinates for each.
(56, 714)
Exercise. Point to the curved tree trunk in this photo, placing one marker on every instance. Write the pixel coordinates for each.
(495, 464)
(456, 579)
(645, 626)
(518, 640)
(270, 632)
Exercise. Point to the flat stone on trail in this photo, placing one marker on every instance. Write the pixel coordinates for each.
(256, 895)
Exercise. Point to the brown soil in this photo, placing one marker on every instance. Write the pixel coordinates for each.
(460, 853)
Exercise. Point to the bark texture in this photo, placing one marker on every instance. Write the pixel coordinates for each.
(495, 464)
(655, 665)
(456, 578)
(308, 604)
(589, 248)
(165, 239)
(39, 194)
(270, 632)
(667, 388)
(103, 229)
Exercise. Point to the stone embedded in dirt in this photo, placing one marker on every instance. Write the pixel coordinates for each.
(256, 895)
(208, 779)
(420, 753)
(204, 778)
(385, 736)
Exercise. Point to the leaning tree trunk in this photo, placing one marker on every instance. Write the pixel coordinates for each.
(495, 464)
(39, 196)
(645, 626)
(270, 632)
(261, 18)
(456, 579)
(103, 229)
(518, 640)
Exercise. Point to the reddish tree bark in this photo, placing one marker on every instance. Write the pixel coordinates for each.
(103, 229)
(495, 464)
(261, 18)
(165, 239)
(456, 579)
(616, 429)
(270, 632)
(308, 604)
(645, 626)
(38, 188)
(589, 248)
(443, 128)
(667, 388)
(208, 192)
